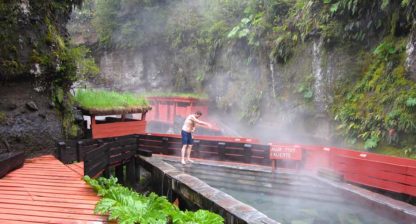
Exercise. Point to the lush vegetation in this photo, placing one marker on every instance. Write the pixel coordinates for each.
(108, 100)
(34, 47)
(382, 100)
(126, 206)
(368, 103)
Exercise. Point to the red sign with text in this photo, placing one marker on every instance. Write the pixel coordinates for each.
(285, 152)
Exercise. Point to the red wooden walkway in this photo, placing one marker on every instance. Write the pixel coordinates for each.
(46, 191)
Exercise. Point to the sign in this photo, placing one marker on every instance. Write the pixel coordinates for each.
(285, 152)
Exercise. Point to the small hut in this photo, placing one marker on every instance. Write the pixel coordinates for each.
(170, 111)
(112, 114)
(166, 109)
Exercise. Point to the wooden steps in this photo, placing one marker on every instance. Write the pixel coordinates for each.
(46, 191)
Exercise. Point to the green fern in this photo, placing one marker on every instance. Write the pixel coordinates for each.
(411, 102)
(126, 206)
(371, 143)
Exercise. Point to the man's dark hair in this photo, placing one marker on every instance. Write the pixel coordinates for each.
(198, 113)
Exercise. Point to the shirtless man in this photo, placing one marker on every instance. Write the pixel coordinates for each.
(188, 127)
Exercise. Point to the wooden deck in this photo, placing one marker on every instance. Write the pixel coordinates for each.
(46, 191)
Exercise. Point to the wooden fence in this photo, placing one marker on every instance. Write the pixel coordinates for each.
(209, 149)
(102, 155)
(379, 171)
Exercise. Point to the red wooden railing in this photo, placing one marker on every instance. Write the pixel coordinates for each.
(370, 169)
(374, 170)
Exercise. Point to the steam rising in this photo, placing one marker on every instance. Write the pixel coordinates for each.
(250, 96)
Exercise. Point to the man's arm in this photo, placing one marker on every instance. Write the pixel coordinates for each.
(196, 120)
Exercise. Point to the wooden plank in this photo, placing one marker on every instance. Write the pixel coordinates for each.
(46, 173)
(47, 209)
(27, 182)
(151, 143)
(77, 167)
(373, 182)
(63, 188)
(93, 171)
(51, 195)
(47, 177)
(89, 207)
(47, 199)
(47, 191)
(48, 217)
(14, 221)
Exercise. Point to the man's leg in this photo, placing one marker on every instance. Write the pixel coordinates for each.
(184, 147)
(188, 154)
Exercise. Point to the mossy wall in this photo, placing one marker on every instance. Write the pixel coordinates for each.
(35, 54)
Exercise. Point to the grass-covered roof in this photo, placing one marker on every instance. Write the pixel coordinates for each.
(176, 94)
(101, 102)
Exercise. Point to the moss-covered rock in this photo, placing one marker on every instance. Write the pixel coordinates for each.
(35, 59)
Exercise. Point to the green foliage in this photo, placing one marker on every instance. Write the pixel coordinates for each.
(362, 19)
(196, 32)
(241, 30)
(107, 100)
(59, 95)
(411, 102)
(3, 117)
(410, 152)
(126, 206)
(105, 21)
(371, 143)
(306, 88)
(86, 66)
(200, 217)
(381, 100)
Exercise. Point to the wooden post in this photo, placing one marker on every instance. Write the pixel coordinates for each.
(136, 172)
(247, 153)
(195, 148)
(221, 150)
(174, 111)
(165, 144)
(106, 173)
(266, 155)
(273, 165)
(60, 149)
(120, 174)
(79, 153)
(168, 112)
(131, 173)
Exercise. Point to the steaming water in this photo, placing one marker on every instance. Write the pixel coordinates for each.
(289, 198)
(296, 210)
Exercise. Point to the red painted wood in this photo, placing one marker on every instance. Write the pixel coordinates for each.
(46, 191)
(118, 129)
(165, 109)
